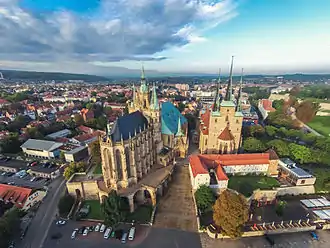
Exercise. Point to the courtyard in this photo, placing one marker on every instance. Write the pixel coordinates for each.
(176, 208)
(247, 184)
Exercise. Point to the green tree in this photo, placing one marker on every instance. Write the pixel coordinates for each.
(278, 104)
(230, 213)
(89, 105)
(280, 147)
(11, 144)
(204, 198)
(9, 226)
(271, 131)
(253, 145)
(74, 167)
(279, 208)
(65, 204)
(101, 122)
(257, 131)
(300, 153)
(113, 209)
(93, 93)
(95, 152)
(79, 120)
(62, 156)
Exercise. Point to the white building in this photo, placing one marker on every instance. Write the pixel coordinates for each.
(265, 107)
(41, 148)
(60, 134)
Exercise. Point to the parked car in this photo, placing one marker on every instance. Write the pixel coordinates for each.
(9, 174)
(33, 179)
(34, 163)
(11, 183)
(124, 238)
(85, 233)
(131, 233)
(60, 222)
(314, 236)
(91, 228)
(102, 229)
(81, 230)
(7, 159)
(74, 234)
(4, 173)
(107, 233)
(97, 228)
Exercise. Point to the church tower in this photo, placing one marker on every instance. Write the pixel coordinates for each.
(221, 125)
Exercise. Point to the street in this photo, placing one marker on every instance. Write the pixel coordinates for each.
(43, 219)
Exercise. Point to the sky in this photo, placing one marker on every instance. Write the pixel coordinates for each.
(105, 37)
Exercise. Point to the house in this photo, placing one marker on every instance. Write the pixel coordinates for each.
(41, 148)
(265, 107)
(73, 153)
(85, 129)
(212, 169)
(85, 139)
(4, 102)
(22, 198)
(60, 134)
(87, 114)
(293, 174)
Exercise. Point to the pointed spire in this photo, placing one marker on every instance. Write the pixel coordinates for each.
(143, 87)
(216, 104)
(142, 73)
(179, 132)
(239, 100)
(154, 100)
(229, 93)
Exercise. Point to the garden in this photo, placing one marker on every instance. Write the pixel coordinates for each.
(247, 184)
(321, 124)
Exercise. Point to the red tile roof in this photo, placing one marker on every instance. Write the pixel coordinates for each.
(226, 135)
(85, 129)
(267, 105)
(16, 195)
(200, 164)
(204, 128)
(87, 136)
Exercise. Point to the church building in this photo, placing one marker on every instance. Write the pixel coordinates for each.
(221, 124)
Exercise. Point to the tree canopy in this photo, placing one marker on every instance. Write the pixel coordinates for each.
(114, 209)
(65, 204)
(9, 226)
(95, 152)
(73, 167)
(204, 198)
(230, 213)
(253, 145)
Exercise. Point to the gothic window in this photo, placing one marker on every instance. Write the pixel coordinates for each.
(206, 142)
(107, 164)
(144, 103)
(237, 121)
(227, 119)
(119, 168)
(128, 164)
(216, 120)
(225, 149)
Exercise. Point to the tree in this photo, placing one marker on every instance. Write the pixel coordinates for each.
(307, 110)
(181, 107)
(11, 144)
(204, 198)
(65, 204)
(114, 209)
(280, 147)
(79, 120)
(95, 152)
(230, 213)
(279, 208)
(271, 131)
(278, 104)
(62, 156)
(9, 226)
(73, 167)
(300, 153)
(257, 131)
(253, 145)
(94, 94)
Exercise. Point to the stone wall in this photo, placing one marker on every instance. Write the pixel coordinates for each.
(296, 190)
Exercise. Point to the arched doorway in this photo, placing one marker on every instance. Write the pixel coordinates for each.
(143, 197)
(78, 194)
(119, 168)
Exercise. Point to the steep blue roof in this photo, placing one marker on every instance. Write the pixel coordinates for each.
(170, 118)
(127, 125)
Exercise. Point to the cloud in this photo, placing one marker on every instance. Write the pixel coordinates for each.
(117, 30)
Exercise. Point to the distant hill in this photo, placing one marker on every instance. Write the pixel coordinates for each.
(42, 76)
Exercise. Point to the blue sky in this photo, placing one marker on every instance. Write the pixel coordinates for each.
(195, 36)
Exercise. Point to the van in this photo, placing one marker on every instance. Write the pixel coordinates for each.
(107, 233)
(123, 238)
(131, 233)
(102, 229)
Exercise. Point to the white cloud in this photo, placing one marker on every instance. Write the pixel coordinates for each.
(117, 30)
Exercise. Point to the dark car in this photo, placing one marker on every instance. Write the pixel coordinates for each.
(45, 165)
(9, 174)
(7, 159)
(119, 233)
(81, 230)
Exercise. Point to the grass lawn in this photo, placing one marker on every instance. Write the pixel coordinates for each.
(321, 124)
(95, 212)
(247, 184)
(141, 215)
(98, 170)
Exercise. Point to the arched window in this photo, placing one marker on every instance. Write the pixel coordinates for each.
(128, 164)
(107, 166)
(119, 168)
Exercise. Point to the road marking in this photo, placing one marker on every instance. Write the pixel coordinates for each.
(47, 212)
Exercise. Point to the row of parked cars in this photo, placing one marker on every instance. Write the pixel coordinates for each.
(108, 232)
(44, 165)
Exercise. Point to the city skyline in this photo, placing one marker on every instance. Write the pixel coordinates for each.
(169, 36)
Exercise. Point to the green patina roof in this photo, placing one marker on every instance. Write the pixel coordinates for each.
(228, 104)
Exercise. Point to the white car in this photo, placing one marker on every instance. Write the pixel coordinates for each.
(33, 179)
(60, 222)
(97, 228)
(131, 233)
(74, 234)
(85, 231)
(102, 229)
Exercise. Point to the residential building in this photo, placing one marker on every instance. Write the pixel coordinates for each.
(221, 124)
(265, 107)
(59, 134)
(85, 139)
(213, 169)
(41, 148)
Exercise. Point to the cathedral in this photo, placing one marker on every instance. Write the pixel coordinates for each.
(221, 124)
(134, 143)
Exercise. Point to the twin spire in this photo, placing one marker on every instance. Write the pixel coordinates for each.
(229, 93)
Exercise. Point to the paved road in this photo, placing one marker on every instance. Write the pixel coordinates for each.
(294, 240)
(146, 237)
(43, 219)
